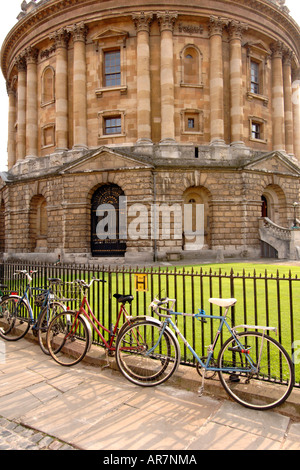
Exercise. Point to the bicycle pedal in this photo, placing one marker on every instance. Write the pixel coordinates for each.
(234, 378)
(34, 332)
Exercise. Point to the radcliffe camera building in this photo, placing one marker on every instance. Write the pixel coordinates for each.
(192, 103)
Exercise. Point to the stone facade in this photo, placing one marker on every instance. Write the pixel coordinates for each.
(194, 104)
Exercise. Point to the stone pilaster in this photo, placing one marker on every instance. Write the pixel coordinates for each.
(277, 97)
(167, 22)
(79, 32)
(31, 55)
(216, 26)
(288, 105)
(236, 30)
(21, 107)
(142, 23)
(61, 38)
(296, 111)
(12, 117)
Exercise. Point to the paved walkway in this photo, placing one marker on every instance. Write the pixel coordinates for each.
(47, 406)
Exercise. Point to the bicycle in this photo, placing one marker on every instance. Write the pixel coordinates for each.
(254, 369)
(16, 313)
(69, 336)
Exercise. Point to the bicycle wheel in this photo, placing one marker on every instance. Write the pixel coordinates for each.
(144, 356)
(260, 388)
(68, 338)
(14, 319)
(47, 314)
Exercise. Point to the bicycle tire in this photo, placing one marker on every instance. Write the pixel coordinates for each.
(132, 359)
(44, 319)
(68, 338)
(15, 318)
(271, 385)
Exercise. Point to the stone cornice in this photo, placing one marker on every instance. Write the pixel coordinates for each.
(43, 11)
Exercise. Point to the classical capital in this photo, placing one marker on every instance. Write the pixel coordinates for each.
(60, 37)
(142, 21)
(79, 31)
(216, 25)
(236, 29)
(167, 20)
(20, 62)
(277, 49)
(288, 56)
(31, 55)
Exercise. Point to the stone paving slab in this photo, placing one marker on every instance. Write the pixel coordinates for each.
(46, 406)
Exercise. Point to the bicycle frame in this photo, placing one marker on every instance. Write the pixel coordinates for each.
(89, 315)
(201, 316)
(24, 297)
(211, 348)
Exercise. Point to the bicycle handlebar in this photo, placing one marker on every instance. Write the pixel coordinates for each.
(157, 304)
(25, 273)
(85, 285)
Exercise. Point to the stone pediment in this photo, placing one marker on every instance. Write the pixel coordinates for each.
(274, 162)
(103, 159)
(110, 33)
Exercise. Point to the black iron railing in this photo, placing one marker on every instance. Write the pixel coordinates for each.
(262, 298)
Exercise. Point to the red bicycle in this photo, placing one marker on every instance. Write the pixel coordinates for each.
(69, 335)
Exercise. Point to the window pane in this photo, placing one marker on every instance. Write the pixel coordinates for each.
(112, 68)
(113, 125)
(254, 77)
(255, 131)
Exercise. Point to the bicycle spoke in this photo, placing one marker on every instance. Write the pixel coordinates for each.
(259, 375)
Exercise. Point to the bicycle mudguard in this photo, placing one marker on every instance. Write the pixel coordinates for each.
(17, 298)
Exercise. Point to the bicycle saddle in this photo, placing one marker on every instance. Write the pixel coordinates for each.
(124, 298)
(223, 302)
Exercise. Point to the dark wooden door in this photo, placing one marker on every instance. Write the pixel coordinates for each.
(105, 227)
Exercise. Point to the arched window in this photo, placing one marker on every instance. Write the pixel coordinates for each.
(191, 66)
(38, 224)
(48, 86)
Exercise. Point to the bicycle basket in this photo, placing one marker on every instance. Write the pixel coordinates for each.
(67, 291)
(40, 299)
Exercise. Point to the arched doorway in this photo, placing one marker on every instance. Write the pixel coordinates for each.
(198, 196)
(105, 222)
(264, 207)
(274, 205)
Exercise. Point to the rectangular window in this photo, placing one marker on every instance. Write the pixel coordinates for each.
(191, 123)
(112, 125)
(112, 68)
(256, 130)
(254, 77)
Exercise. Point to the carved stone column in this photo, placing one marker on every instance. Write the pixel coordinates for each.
(142, 23)
(79, 32)
(31, 55)
(216, 26)
(296, 112)
(288, 105)
(277, 97)
(61, 38)
(11, 141)
(21, 111)
(167, 22)
(236, 30)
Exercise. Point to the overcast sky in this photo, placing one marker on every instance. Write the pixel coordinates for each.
(8, 16)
